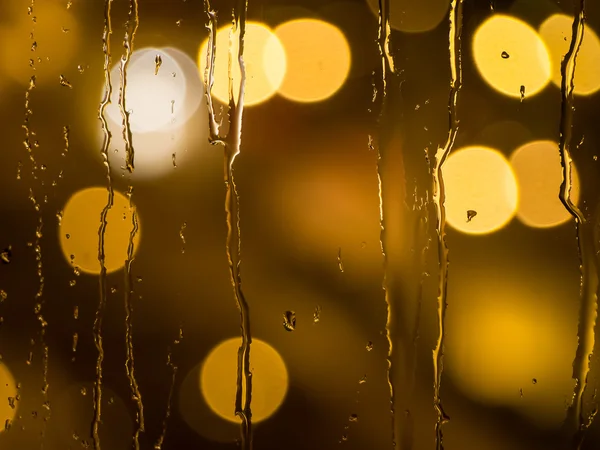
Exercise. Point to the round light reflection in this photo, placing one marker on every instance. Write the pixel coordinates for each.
(78, 232)
(269, 379)
(264, 63)
(509, 54)
(479, 180)
(318, 59)
(539, 173)
(556, 32)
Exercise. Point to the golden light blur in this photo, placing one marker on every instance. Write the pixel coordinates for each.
(480, 180)
(539, 174)
(78, 232)
(55, 40)
(504, 348)
(269, 379)
(556, 32)
(8, 393)
(509, 54)
(414, 16)
(264, 61)
(318, 59)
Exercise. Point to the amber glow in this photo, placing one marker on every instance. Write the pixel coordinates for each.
(509, 54)
(556, 32)
(479, 179)
(539, 174)
(80, 223)
(414, 16)
(53, 46)
(8, 393)
(269, 379)
(318, 59)
(264, 62)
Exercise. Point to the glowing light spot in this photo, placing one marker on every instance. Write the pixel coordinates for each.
(269, 379)
(318, 59)
(501, 340)
(509, 54)
(414, 16)
(56, 35)
(479, 179)
(556, 32)
(78, 232)
(264, 61)
(8, 394)
(152, 97)
(162, 105)
(539, 174)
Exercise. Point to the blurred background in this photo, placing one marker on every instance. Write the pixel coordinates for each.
(308, 177)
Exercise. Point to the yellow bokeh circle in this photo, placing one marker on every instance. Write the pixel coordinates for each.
(318, 59)
(539, 174)
(264, 63)
(511, 56)
(556, 32)
(479, 180)
(269, 379)
(80, 223)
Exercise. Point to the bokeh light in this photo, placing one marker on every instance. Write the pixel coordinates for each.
(154, 93)
(55, 34)
(507, 347)
(539, 174)
(264, 62)
(509, 54)
(318, 59)
(166, 100)
(78, 232)
(269, 379)
(479, 179)
(414, 16)
(8, 393)
(556, 32)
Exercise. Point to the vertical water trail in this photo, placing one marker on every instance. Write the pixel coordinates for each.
(159, 442)
(39, 299)
(387, 67)
(232, 145)
(129, 361)
(128, 46)
(128, 43)
(585, 237)
(439, 198)
(97, 328)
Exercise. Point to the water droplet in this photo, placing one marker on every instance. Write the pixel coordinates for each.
(522, 92)
(113, 290)
(69, 4)
(521, 392)
(157, 64)
(33, 46)
(7, 424)
(65, 30)
(470, 214)
(77, 271)
(83, 391)
(76, 312)
(64, 82)
(363, 380)
(68, 236)
(339, 260)
(6, 255)
(369, 346)
(139, 279)
(289, 320)
(353, 418)
(178, 23)
(317, 314)
(3, 295)
(363, 244)
(72, 283)
(505, 55)
(595, 157)
(173, 156)
(80, 68)
(534, 381)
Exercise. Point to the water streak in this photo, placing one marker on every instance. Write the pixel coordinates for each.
(232, 145)
(575, 420)
(128, 46)
(129, 360)
(97, 328)
(387, 67)
(439, 198)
